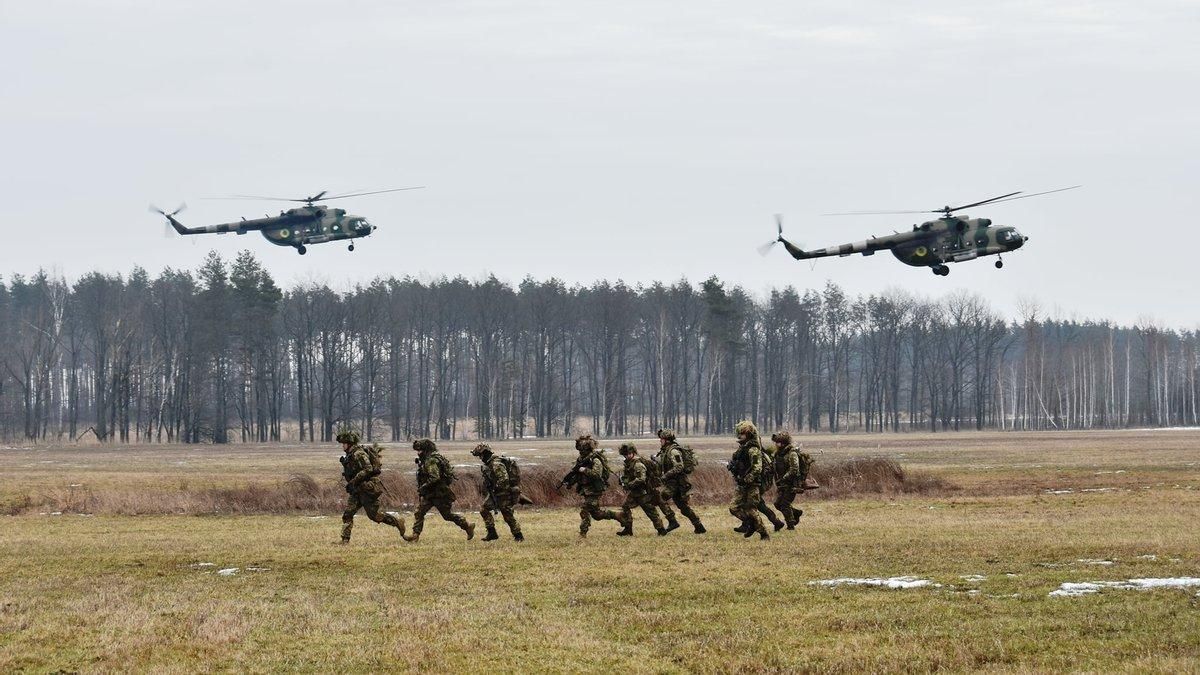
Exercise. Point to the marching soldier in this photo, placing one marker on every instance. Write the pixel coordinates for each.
(502, 493)
(589, 477)
(361, 467)
(675, 471)
(637, 492)
(434, 476)
(746, 467)
(790, 472)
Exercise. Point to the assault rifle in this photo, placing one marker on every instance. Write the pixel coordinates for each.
(573, 476)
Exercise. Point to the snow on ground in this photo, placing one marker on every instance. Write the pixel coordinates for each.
(891, 582)
(1076, 589)
(228, 571)
(974, 578)
(1094, 561)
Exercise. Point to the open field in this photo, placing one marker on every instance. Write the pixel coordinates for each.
(1021, 515)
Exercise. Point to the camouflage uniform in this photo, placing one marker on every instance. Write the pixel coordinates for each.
(675, 478)
(767, 480)
(501, 494)
(637, 492)
(433, 491)
(591, 485)
(362, 487)
(746, 467)
(790, 473)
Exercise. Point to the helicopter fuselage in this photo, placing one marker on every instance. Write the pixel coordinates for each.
(298, 227)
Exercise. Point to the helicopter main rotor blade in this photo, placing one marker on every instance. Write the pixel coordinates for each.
(986, 201)
(373, 192)
(877, 213)
(1024, 196)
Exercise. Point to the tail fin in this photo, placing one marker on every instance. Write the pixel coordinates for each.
(179, 227)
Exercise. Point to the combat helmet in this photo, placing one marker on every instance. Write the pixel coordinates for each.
(585, 443)
(667, 434)
(424, 445)
(348, 436)
(782, 438)
(626, 449)
(746, 427)
(481, 450)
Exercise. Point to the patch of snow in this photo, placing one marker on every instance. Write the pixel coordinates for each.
(1076, 589)
(203, 564)
(75, 485)
(1148, 556)
(228, 571)
(1011, 575)
(1060, 492)
(1095, 561)
(974, 578)
(1103, 489)
(891, 582)
(315, 517)
(56, 513)
(258, 569)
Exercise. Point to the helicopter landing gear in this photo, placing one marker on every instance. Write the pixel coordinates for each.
(999, 263)
(301, 250)
(941, 270)
(350, 248)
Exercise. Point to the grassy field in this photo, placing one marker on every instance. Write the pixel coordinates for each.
(1029, 512)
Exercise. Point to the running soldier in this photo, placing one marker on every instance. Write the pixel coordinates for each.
(676, 467)
(361, 468)
(638, 492)
(790, 470)
(589, 477)
(746, 467)
(434, 476)
(501, 490)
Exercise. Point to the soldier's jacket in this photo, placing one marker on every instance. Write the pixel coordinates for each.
(670, 459)
(746, 463)
(429, 475)
(495, 474)
(787, 467)
(358, 471)
(633, 478)
(593, 476)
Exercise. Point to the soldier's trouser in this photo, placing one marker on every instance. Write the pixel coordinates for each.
(744, 506)
(505, 507)
(784, 496)
(644, 500)
(766, 511)
(443, 504)
(660, 503)
(590, 510)
(370, 502)
(681, 495)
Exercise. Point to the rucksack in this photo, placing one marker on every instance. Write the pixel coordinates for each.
(767, 478)
(513, 470)
(606, 470)
(653, 472)
(806, 462)
(445, 469)
(375, 454)
(689, 458)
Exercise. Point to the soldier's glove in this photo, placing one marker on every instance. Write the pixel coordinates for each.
(349, 488)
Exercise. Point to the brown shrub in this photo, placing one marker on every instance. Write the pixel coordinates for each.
(301, 493)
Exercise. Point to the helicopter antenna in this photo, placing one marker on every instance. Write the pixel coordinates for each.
(947, 210)
(320, 196)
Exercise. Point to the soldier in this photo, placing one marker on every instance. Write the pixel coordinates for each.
(434, 476)
(362, 484)
(768, 479)
(675, 477)
(502, 493)
(637, 492)
(790, 473)
(746, 467)
(589, 476)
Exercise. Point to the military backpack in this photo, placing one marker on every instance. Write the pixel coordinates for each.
(605, 469)
(513, 469)
(375, 454)
(445, 470)
(653, 473)
(767, 478)
(689, 458)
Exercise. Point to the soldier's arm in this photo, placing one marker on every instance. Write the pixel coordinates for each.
(754, 471)
(432, 473)
(639, 477)
(675, 458)
(365, 469)
(499, 476)
(593, 469)
(793, 468)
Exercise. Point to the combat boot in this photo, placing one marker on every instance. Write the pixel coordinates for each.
(750, 532)
(345, 540)
(412, 538)
(626, 531)
(491, 534)
(672, 524)
(700, 528)
(778, 525)
(517, 536)
(762, 534)
(400, 526)
(664, 531)
(470, 529)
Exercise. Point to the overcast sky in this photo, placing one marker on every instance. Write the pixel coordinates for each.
(636, 140)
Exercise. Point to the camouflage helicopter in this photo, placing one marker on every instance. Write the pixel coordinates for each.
(933, 244)
(312, 223)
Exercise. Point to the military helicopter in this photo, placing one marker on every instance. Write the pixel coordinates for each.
(312, 223)
(933, 244)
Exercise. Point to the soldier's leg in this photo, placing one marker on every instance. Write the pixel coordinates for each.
(352, 507)
(423, 506)
(370, 503)
(585, 517)
(510, 519)
(663, 505)
(683, 502)
(626, 517)
(485, 513)
(651, 511)
(749, 498)
(762, 508)
(443, 507)
(783, 502)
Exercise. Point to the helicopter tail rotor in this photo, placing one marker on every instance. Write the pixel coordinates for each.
(170, 222)
(764, 249)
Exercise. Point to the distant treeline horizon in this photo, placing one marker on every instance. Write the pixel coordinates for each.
(224, 354)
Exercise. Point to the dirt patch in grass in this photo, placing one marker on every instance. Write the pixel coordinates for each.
(302, 493)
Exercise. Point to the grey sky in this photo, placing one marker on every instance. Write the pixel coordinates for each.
(634, 140)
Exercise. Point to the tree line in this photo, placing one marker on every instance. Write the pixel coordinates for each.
(223, 354)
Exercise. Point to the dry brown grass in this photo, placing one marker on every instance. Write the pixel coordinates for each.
(301, 493)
